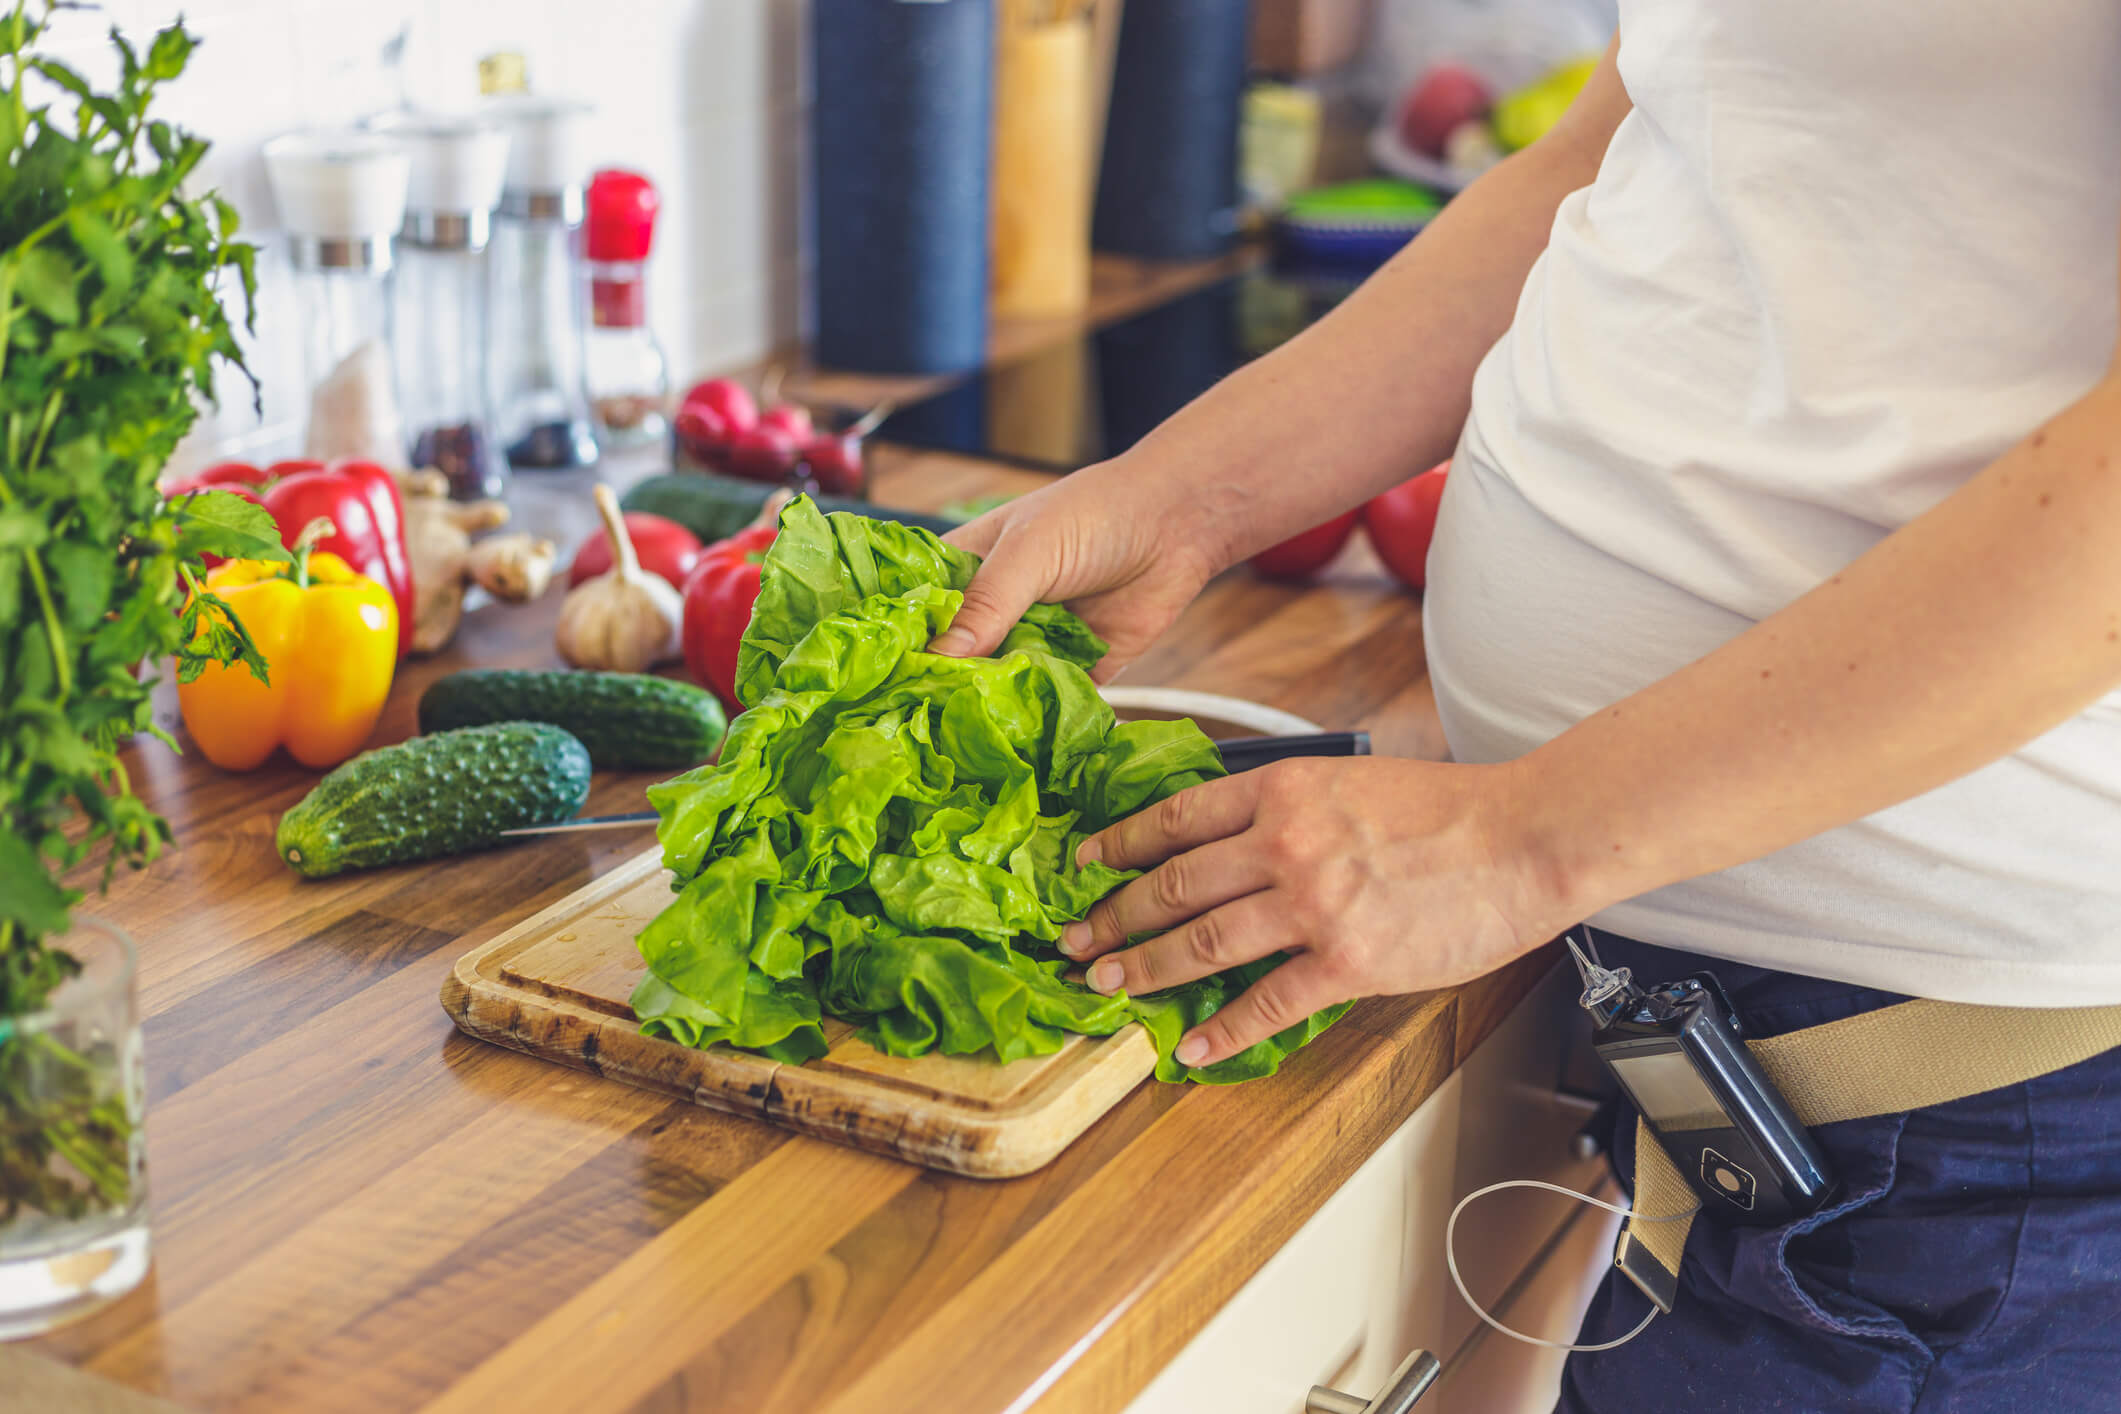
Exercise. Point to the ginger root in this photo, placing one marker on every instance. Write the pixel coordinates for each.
(513, 568)
(438, 535)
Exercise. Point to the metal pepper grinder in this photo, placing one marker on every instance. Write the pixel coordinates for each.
(541, 287)
(443, 299)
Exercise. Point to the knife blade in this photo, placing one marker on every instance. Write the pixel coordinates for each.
(1238, 753)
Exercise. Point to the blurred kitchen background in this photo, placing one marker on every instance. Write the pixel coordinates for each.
(714, 102)
(708, 97)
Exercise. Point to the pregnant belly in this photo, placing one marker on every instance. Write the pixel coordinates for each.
(1530, 629)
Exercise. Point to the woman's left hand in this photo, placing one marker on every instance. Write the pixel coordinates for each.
(1377, 876)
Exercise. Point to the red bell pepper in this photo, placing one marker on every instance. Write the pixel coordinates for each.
(360, 499)
(719, 594)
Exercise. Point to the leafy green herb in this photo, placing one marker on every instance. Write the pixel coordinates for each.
(890, 835)
(111, 323)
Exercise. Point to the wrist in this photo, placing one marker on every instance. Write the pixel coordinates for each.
(1561, 874)
(1190, 511)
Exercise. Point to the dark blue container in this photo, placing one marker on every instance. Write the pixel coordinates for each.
(902, 126)
(1167, 187)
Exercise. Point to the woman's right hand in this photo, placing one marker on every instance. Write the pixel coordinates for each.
(1106, 541)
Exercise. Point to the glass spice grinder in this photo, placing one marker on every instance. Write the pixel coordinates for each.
(541, 287)
(444, 297)
(341, 196)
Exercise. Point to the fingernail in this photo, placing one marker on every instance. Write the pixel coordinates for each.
(1074, 939)
(1191, 1051)
(1106, 977)
(1089, 852)
(954, 643)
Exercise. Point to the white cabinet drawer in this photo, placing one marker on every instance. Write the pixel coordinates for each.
(1364, 1281)
(1331, 1303)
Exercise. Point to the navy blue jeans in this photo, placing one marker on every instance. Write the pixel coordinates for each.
(1971, 1263)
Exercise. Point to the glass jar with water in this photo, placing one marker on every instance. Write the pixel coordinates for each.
(73, 1152)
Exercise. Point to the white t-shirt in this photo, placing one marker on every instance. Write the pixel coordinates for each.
(1839, 258)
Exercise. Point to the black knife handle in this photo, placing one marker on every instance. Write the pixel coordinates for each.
(1245, 752)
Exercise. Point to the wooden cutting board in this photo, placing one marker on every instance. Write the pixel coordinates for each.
(557, 984)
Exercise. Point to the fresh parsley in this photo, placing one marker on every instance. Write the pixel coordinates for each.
(111, 326)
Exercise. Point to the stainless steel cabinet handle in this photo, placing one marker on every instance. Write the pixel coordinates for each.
(1408, 1383)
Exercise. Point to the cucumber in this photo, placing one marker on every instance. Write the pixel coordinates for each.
(716, 507)
(434, 795)
(625, 719)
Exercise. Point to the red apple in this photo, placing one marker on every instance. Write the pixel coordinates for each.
(724, 402)
(793, 420)
(1445, 97)
(761, 453)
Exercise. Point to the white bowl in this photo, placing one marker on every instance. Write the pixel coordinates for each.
(1220, 717)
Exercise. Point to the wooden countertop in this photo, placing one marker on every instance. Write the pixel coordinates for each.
(358, 1208)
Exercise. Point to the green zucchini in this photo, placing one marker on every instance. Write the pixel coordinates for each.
(716, 507)
(627, 720)
(443, 794)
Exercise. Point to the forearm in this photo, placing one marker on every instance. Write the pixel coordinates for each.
(1377, 390)
(1981, 624)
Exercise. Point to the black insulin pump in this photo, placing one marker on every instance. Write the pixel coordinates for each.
(1679, 1053)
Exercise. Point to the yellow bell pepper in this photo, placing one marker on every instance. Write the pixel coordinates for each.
(330, 641)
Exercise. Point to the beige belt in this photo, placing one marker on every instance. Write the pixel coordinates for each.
(1902, 1057)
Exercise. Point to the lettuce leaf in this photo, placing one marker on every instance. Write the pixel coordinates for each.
(889, 835)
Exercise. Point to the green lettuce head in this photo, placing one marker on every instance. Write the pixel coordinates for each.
(889, 836)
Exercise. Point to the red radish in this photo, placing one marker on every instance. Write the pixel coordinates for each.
(702, 435)
(793, 420)
(1301, 556)
(835, 462)
(1401, 522)
(1445, 97)
(761, 453)
(730, 403)
(663, 546)
(835, 459)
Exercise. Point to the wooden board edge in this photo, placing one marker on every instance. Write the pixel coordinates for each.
(988, 1144)
(720, 1079)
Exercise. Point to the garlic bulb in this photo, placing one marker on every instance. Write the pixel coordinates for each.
(626, 619)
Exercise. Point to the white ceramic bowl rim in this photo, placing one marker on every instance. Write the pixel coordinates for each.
(1267, 721)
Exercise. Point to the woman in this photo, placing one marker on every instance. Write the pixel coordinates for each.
(1774, 614)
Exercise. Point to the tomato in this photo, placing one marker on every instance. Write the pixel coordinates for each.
(1400, 523)
(1301, 556)
(665, 548)
(718, 599)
